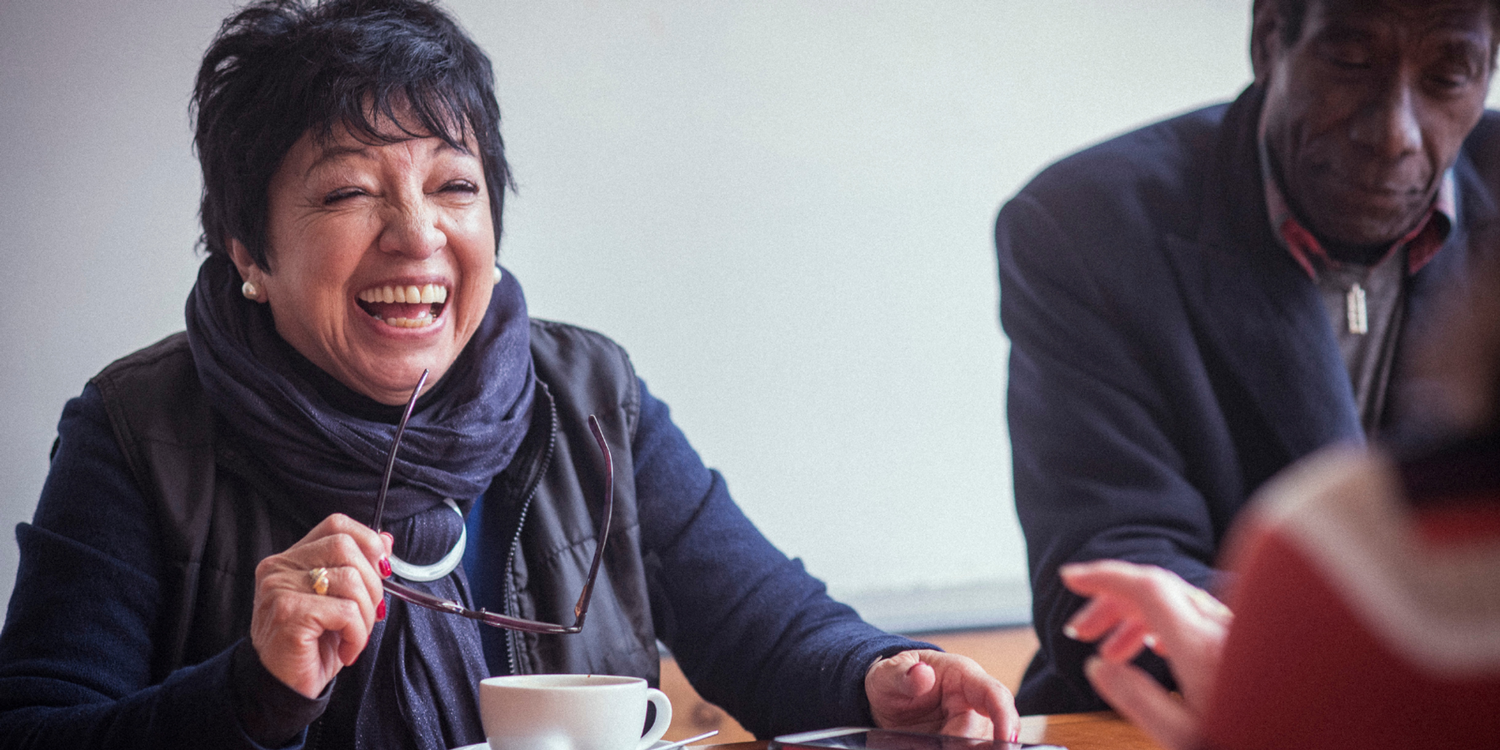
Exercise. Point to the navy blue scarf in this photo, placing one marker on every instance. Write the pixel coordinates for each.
(416, 684)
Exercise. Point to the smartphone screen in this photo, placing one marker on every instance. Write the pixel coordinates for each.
(886, 739)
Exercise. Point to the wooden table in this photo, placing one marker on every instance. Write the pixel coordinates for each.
(1096, 731)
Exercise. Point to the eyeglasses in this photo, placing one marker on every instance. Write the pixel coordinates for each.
(424, 599)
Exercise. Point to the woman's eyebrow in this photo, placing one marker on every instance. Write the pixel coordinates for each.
(457, 147)
(339, 151)
(332, 153)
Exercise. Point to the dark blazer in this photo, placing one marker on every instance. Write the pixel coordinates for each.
(1168, 356)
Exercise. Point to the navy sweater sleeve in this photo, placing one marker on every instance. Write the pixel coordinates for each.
(75, 652)
(751, 629)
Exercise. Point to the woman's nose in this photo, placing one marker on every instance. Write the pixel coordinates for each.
(411, 228)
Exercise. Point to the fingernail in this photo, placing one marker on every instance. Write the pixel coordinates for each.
(1070, 631)
(385, 568)
(1015, 735)
(390, 540)
(380, 611)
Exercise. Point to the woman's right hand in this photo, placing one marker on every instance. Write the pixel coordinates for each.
(304, 638)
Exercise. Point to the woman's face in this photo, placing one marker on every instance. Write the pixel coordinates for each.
(383, 258)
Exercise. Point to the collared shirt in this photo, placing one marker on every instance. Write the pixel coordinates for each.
(1365, 303)
(1420, 244)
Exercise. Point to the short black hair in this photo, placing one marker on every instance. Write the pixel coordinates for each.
(1293, 13)
(280, 68)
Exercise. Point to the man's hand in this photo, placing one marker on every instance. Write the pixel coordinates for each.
(1142, 606)
(930, 691)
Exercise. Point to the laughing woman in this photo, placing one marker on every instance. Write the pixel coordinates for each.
(200, 572)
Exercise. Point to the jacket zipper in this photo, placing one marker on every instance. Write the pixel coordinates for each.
(511, 647)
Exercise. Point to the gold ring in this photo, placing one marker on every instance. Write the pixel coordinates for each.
(319, 578)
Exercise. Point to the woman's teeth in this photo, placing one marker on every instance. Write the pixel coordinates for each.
(404, 306)
(426, 294)
(425, 319)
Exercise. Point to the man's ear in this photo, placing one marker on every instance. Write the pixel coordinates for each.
(1265, 40)
(253, 275)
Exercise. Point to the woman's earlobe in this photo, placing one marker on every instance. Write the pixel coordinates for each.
(248, 270)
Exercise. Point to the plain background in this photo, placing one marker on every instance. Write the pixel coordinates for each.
(783, 209)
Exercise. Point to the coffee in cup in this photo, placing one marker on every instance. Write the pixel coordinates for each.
(570, 712)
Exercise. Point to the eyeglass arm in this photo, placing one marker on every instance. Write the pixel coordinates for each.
(581, 609)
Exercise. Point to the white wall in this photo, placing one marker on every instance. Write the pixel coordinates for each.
(782, 208)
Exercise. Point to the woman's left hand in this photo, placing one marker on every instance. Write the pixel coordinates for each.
(932, 691)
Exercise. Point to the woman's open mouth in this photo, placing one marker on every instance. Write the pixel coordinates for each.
(404, 306)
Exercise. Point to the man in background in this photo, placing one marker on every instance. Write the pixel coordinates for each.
(1195, 305)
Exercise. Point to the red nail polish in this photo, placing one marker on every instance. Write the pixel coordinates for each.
(1015, 735)
(380, 610)
(385, 568)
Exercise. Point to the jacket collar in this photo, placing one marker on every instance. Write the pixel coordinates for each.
(1263, 325)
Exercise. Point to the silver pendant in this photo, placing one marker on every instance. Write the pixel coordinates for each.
(1354, 304)
(441, 568)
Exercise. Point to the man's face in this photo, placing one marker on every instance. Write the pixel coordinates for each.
(1369, 106)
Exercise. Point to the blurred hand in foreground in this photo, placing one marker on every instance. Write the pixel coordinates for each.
(1132, 607)
(932, 691)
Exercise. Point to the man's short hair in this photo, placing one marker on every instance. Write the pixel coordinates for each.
(1293, 12)
(280, 68)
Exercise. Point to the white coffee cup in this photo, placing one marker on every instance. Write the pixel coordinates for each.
(570, 712)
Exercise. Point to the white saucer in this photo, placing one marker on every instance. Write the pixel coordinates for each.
(486, 746)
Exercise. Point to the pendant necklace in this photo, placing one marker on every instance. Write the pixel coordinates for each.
(441, 568)
(1355, 312)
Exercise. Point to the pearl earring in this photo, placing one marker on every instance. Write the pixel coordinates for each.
(251, 293)
(498, 274)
